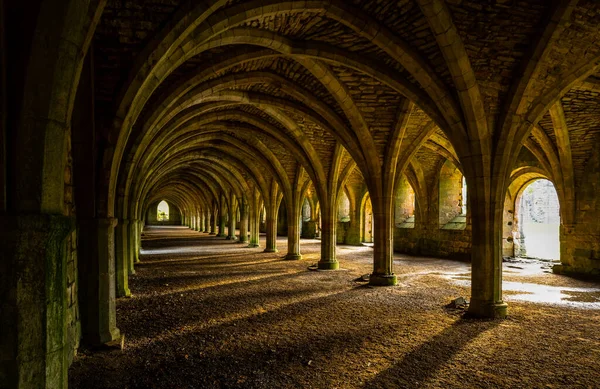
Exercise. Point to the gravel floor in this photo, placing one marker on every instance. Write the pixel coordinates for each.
(211, 313)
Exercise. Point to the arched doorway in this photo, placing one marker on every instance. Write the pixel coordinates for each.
(404, 205)
(452, 198)
(367, 220)
(538, 221)
(162, 211)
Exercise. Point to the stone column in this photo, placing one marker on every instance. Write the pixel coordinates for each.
(97, 286)
(271, 245)
(134, 244)
(138, 239)
(123, 260)
(206, 222)
(33, 334)
(254, 225)
(383, 274)
(293, 233)
(328, 260)
(222, 218)
(243, 222)
(232, 217)
(213, 224)
(486, 261)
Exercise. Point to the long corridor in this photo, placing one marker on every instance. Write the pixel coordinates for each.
(206, 312)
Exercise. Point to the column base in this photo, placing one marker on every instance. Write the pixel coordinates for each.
(231, 238)
(242, 241)
(487, 309)
(270, 251)
(221, 235)
(293, 257)
(383, 280)
(253, 245)
(124, 293)
(212, 233)
(103, 338)
(328, 265)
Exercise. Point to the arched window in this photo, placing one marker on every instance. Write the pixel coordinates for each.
(343, 207)
(263, 215)
(404, 207)
(306, 211)
(367, 213)
(162, 211)
(452, 198)
(538, 218)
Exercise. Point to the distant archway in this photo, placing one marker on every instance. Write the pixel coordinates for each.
(367, 219)
(404, 205)
(538, 216)
(306, 211)
(343, 208)
(162, 211)
(452, 198)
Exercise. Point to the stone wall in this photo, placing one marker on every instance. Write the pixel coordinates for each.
(453, 244)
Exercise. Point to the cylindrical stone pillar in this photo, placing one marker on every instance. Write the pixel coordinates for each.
(293, 234)
(383, 274)
(231, 227)
(254, 226)
(244, 223)
(123, 253)
(213, 224)
(328, 260)
(271, 245)
(222, 222)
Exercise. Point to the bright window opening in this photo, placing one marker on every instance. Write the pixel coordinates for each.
(306, 211)
(539, 221)
(343, 208)
(368, 222)
(452, 198)
(162, 211)
(404, 210)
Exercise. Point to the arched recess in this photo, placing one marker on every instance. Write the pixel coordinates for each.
(544, 241)
(366, 219)
(452, 187)
(343, 207)
(405, 204)
(162, 211)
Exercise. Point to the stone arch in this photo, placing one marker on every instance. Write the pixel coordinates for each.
(366, 219)
(405, 203)
(450, 186)
(55, 59)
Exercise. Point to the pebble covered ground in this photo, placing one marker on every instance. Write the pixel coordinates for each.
(206, 312)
